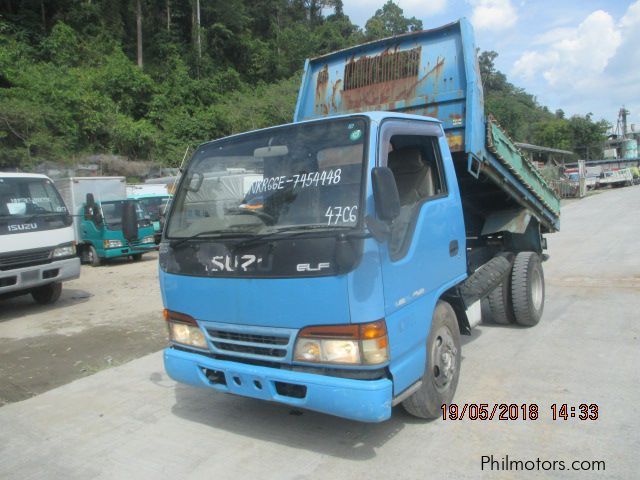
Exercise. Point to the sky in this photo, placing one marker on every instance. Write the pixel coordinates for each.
(578, 55)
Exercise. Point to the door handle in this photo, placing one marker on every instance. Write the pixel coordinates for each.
(453, 248)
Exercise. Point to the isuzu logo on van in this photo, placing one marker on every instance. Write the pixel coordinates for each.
(22, 227)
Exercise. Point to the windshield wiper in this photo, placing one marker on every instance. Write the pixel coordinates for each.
(209, 234)
(293, 230)
(32, 216)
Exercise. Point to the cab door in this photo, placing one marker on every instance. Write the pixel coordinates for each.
(426, 252)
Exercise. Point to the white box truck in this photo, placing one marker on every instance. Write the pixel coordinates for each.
(37, 240)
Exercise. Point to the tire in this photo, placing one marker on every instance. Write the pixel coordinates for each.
(92, 256)
(47, 294)
(136, 257)
(527, 289)
(485, 279)
(442, 369)
(498, 305)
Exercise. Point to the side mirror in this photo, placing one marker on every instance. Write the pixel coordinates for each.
(385, 193)
(195, 182)
(380, 231)
(129, 220)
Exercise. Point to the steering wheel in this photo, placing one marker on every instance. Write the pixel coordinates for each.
(265, 217)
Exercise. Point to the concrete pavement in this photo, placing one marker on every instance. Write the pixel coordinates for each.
(133, 422)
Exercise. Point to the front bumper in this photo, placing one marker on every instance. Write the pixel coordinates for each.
(26, 278)
(129, 250)
(362, 400)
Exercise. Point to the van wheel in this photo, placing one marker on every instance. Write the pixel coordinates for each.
(92, 256)
(443, 365)
(136, 257)
(47, 294)
(527, 288)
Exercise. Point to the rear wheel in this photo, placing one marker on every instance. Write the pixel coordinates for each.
(527, 288)
(47, 294)
(498, 305)
(443, 365)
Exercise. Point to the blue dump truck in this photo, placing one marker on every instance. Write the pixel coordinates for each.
(333, 263)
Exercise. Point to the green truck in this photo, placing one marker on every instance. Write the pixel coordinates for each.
(107, 224)
(155, 206)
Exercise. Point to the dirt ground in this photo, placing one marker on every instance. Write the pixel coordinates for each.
(109, 316)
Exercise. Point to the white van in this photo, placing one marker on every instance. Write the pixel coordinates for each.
(37, 240)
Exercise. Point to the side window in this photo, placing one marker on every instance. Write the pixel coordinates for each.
(417, 167)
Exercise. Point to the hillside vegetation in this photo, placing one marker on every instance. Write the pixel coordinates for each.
(146, 78)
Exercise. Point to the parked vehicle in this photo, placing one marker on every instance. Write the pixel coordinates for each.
(37, 242)
(155, 206)
(367, 233)
(107, 224)
(616, 178)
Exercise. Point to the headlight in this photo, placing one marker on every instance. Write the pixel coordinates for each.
(65, 251)
(149, 239)
(364, 344)
(112, 243)
(183, 329)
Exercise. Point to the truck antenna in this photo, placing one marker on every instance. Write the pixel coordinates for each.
(184, 157)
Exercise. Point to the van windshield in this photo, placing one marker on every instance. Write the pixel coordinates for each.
(26, 197)
(280, 178)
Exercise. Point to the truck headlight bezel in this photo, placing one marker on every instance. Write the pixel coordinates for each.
(365, 344)
(112, 243)
(184, 330)
(64, 250)
(148, 239)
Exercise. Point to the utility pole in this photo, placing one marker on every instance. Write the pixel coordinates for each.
(168, 15)
(139, 31)
(198, 39)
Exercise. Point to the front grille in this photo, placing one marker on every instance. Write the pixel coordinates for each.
(248, 337)
(266, 352)
(255, 343)
(24, 259)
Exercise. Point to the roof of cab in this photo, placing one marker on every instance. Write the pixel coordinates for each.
(376, 116)
(21, 175)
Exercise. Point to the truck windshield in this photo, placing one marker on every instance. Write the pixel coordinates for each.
(112, 213)
(154, 206)
(29, 197)
(306, 175)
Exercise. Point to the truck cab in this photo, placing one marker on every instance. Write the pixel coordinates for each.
(107, 224)
(37, 242)
(155, 206)
(364, 238)
(115, 228)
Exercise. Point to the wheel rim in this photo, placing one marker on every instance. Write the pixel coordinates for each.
(536, 289)
(443, 358)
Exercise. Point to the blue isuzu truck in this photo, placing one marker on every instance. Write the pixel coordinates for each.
(333, 263)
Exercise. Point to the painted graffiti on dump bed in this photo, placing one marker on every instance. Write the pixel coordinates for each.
(386, 81)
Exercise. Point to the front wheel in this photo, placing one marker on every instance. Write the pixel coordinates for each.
(92, 256)
(47, 294)
(442, 370)
(136, 257)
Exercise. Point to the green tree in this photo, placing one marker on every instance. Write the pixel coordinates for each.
(390, 20)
